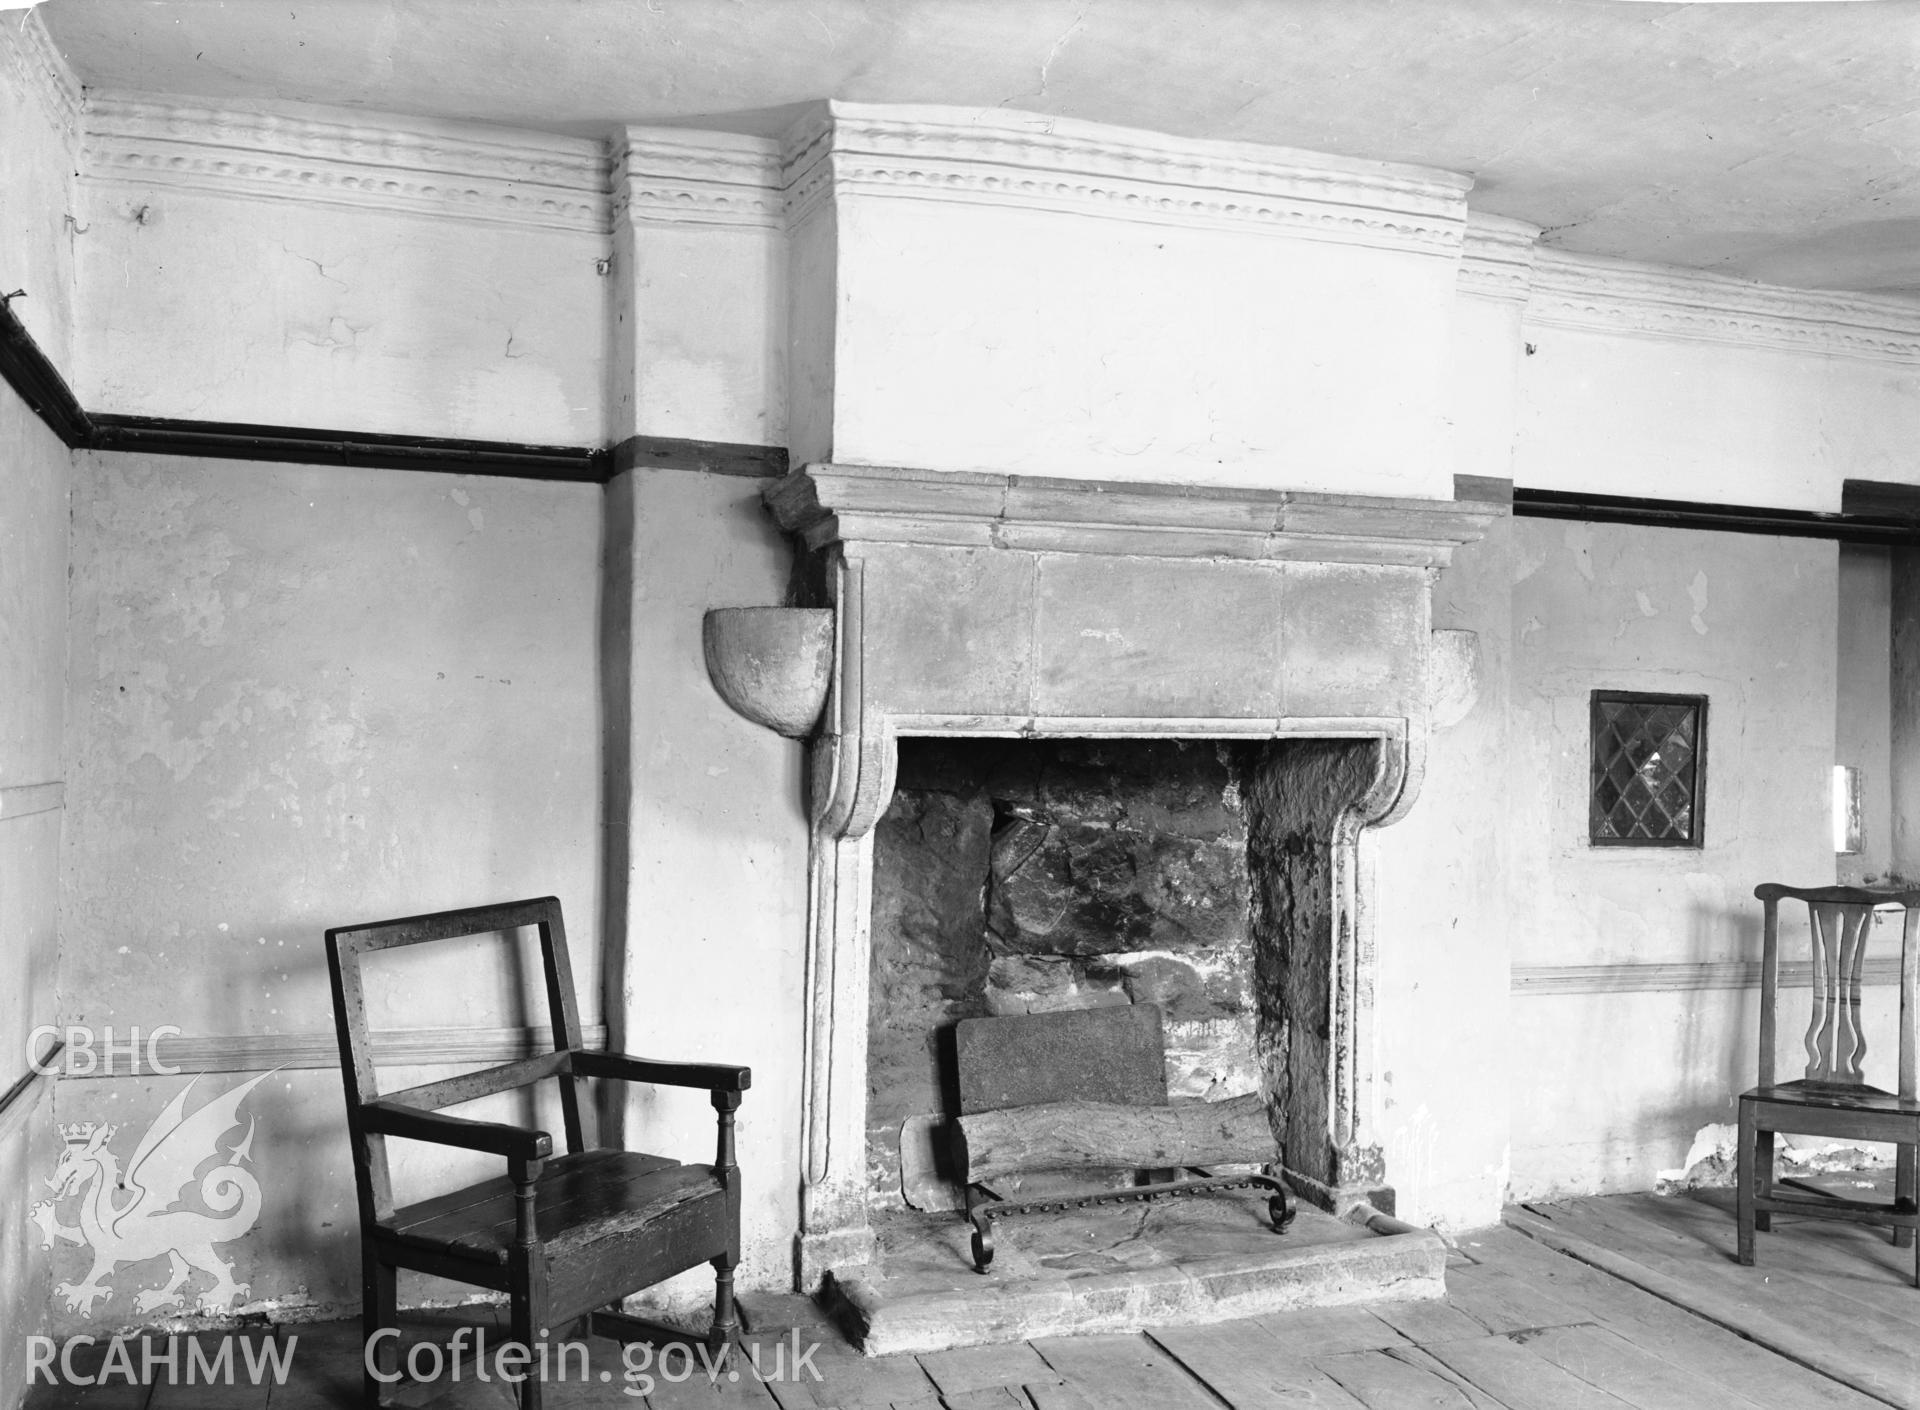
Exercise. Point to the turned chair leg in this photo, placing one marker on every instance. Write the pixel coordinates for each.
(725, 1330)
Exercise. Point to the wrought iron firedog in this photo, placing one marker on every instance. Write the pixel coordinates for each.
(1086, 1089)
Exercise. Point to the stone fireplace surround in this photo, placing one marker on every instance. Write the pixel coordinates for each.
(981, 604)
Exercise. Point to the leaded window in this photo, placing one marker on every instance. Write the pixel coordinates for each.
(1649, 769)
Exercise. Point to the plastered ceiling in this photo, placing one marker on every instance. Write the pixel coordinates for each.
(1778, 142)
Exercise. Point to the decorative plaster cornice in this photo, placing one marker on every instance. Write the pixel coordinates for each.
(872, 504)
(1045, 163)
(1619, 296)
(470, 173)
(43, 71)
(666, 175)
(1496, 261)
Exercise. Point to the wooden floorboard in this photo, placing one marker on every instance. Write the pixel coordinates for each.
(970, 1368)
(1513, 1375)
(1249, 1368)
(1782, 1313)
(1601, 1357)
(1380, 1380)
(1124, 1372)
(1686, 1342)
(1848, 1328)
(1623, 1303)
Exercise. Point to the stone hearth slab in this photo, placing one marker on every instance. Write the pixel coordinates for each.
(1118, 1268)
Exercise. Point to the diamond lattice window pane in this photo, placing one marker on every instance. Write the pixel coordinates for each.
(1647, 769)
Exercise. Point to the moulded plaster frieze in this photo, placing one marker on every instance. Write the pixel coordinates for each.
(42, 69)
(972, 510)
(665, 175)
(1496, 261)
(1046, 163)
(404, 165)
(1619, 296)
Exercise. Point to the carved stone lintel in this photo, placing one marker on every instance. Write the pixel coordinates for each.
(825, 504)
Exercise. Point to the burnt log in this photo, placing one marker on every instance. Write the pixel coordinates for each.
(1079, 1135)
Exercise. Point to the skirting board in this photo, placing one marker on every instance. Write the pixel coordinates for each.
(1678, 978)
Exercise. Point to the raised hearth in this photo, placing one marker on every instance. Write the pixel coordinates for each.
(1117, 1269)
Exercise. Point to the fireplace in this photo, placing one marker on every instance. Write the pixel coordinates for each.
(1289, 629)
(1016, 876)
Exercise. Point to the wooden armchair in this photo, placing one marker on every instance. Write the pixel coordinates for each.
(564, 1236)
(1834, 1098)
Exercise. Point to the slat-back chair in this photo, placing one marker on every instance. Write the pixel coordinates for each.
(1833, 1099)
(564, 1236)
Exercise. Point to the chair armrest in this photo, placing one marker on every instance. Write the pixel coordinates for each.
(710, 1076)
(497, 1137)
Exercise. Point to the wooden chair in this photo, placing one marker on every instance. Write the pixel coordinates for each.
(1834, 1098)
(564, 1236)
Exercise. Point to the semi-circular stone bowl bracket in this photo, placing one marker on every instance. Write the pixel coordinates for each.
(772, 664)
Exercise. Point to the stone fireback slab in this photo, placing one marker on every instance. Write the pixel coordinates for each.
(1158, 637)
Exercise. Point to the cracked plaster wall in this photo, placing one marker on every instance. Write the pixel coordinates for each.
(284, 312)
(36, 162)
(1864, 682)
(707, 847)
(302, 697)
(1610, 1088)
(1709, 421)
(977, 337)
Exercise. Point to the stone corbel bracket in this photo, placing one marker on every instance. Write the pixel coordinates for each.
(1453, 676)
(773, 665)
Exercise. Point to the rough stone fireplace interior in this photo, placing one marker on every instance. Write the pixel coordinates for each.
(1029, 876)
(1165, 715)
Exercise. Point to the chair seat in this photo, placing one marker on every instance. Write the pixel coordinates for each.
(578, 1200)
(1833, 1096)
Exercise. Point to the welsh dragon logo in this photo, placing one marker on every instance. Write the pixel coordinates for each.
(145, 1223)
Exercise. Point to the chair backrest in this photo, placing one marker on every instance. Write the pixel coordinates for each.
(347, 944)
(1842, 920)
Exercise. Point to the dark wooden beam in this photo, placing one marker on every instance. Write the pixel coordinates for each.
(225, 440)
(1880, 499)
(708, 457)
(1720, 518)
(37, 382)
